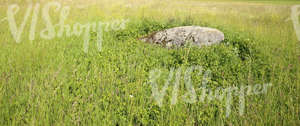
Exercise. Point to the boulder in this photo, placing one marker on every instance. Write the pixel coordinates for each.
(180, 36)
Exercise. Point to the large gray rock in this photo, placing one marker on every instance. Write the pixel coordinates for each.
(180, 36)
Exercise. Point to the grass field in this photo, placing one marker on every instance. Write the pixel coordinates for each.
(54, 82)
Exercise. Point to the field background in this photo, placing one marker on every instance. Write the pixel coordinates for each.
(53, 82)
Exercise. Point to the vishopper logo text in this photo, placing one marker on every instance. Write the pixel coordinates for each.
(207, 94)
(295, 18)
(49, 32)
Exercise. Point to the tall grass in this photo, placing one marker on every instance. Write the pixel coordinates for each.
(53, 82)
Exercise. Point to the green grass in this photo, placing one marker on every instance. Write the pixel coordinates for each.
(53, 82)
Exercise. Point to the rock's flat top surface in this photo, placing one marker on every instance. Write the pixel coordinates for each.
(179, 36)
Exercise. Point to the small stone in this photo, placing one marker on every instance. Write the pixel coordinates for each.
(180, 36)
